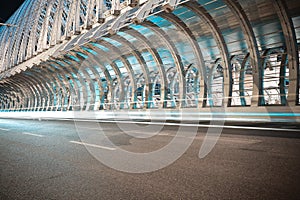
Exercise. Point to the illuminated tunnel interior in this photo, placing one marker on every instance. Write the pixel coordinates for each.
(154, 54)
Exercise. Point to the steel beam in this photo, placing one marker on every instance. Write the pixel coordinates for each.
(255, 61)
(291, 50)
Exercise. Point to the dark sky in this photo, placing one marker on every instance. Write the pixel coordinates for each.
(8, 7)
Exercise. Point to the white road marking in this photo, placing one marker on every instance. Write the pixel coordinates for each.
(203, 125)
(262, 128)
(32, 134)
(4, 129)
(82, 127)
(93, 145)
(182, 124)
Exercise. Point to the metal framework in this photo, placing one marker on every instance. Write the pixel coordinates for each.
(60, 55)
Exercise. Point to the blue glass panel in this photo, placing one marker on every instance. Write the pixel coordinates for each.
(90, 73)
(97, 92)
(121, 66)
(183, 13)
(134, 63)
(100, 47)
(268, 34)
(82, 55)
(211, 5)
(89, 50)
(166, 57)
(73, 58)
(60, 77)
(113, 42)
(68, 62)
(132, 60)
(110, 70)
(141, 29)
(159, 21)
(127, 36)
(150, 61)
(100, 73)
(56, 67)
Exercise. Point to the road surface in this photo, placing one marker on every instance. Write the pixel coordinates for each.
(47, 160)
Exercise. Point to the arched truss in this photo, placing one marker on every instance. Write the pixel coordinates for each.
(102, 54)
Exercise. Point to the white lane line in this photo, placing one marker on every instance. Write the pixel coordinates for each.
(164, 134)
(82, 127)
(93, 145)
(191, 125)
(261, 128)
(32, 134)
(203, 125)
(4, 129)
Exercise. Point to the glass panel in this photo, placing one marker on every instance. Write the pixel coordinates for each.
(215, 85)
(271, 77)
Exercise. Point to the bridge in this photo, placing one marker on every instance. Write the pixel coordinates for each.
(94, 55)
(150, 99)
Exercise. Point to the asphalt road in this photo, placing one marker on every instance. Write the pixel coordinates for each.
(47, 160)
